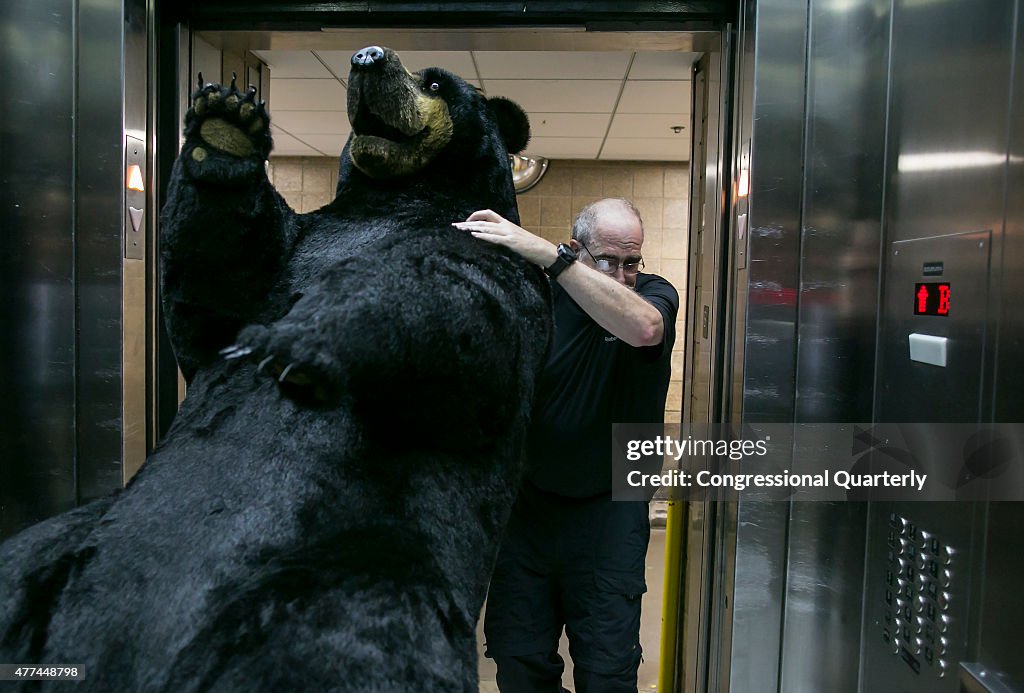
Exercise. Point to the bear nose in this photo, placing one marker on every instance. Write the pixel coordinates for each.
(366, 57)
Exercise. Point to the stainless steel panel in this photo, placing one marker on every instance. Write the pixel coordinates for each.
(914, 391)
(774, 211)
(977, 678)
(843, 170)
(1007, 399)
(707, 295)
(707, 292)
(759, 586)
(37, 315)
(1001, 609)
(824, 573)
(948, 133)
(773, 277)
(917, 594)
(99, 246)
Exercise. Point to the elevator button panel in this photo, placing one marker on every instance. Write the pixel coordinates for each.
(917, 596)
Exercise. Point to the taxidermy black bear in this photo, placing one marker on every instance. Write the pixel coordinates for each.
(326, 509)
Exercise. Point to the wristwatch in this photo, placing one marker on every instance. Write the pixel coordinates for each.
(566, 256)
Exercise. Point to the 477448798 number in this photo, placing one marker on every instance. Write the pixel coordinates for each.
(41, 672)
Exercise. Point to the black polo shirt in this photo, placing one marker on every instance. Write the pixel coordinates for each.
(590, 381)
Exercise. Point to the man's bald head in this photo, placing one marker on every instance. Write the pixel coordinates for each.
(614, 212)
(610, 230)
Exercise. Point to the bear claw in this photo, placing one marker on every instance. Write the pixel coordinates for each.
(235, 351)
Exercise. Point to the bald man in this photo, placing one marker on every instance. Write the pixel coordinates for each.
(571, 556)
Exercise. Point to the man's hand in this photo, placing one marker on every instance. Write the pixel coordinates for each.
(492, 227)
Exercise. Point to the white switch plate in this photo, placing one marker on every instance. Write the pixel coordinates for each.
(928, 348)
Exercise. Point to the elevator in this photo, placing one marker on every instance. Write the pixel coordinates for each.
(856, 235)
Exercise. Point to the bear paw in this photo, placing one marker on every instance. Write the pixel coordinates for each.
(300, 378)
(227, 133)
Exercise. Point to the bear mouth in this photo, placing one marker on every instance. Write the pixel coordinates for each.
(367, 123)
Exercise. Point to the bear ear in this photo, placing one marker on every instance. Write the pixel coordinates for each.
(512, 123)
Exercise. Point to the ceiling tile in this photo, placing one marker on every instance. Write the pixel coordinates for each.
(557, 95)
(551, 65)
(662, 65)
(671, 96)
(339, 61)
(650, 125)
(647, 149)
(458, 62)
(306, 94)
(568, 124)
(293, 64)
(286, 145)
(328, 144)
(564, 147)
(311, 122)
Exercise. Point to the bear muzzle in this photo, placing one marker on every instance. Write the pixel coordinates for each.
(396, 128)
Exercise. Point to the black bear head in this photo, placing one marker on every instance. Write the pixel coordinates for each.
(405, 123)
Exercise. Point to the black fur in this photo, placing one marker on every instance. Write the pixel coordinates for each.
(334, 530)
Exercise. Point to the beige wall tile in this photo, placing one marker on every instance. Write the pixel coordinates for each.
(311, 203)
(677, 181)
(648, 182)
(288, 176)
(556, 181)
(674, 399)
(581, 201)
(652, 243)
(650, 209)
(678, 355)
(674, 244)
(617, 183)
(315, 178)
(675, 213)
(675, 272)
(529, 210)
(293, 198)
(586, 182)
(555, 211)
(555, 234)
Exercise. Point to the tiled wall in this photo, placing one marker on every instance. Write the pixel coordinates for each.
(659, 191)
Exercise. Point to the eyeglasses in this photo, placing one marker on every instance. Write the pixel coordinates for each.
(608, 267)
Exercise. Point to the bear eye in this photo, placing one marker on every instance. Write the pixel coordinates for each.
(434, 86)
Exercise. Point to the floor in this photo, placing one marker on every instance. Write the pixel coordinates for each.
(650, 626)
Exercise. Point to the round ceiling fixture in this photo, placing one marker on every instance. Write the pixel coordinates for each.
(527, 170)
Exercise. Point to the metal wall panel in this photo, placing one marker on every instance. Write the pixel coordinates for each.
(1001, 609)
(1008, 402)
(37, 315)
(945, 202)
(844, 168)
(61, 258)
(99, 246)
(773, 265)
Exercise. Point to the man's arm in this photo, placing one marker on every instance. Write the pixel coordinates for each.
(616, 308)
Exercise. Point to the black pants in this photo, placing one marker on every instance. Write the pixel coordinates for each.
(572, 563)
